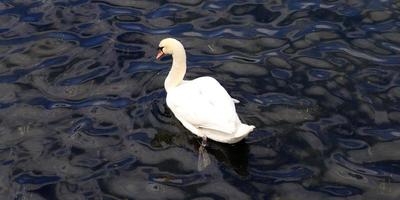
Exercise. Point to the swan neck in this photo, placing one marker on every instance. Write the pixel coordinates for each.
(178, 70)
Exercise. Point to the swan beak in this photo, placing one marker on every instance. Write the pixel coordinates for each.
(159, 55)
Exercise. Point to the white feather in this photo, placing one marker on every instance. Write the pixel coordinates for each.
(202, 105)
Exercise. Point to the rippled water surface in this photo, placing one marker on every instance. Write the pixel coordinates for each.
(83, 113)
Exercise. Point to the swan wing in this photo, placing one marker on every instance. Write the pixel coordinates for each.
(204, 103)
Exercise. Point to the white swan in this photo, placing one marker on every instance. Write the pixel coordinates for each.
(202, 105)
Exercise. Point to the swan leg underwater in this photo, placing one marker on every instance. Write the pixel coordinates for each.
(202, 105)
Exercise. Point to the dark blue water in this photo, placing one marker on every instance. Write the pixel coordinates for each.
(83, 113)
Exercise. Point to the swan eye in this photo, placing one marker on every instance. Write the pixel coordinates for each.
(160, 48)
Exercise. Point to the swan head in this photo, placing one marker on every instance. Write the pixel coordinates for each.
(169, 46)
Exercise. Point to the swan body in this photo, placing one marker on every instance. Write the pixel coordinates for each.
(202, 105)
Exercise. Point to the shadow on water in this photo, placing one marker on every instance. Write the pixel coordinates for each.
(231, 156)
(83, 114)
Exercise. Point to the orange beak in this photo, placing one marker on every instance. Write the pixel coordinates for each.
(159, 55)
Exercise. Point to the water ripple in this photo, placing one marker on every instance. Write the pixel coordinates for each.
(83, 111)
(293, 174)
